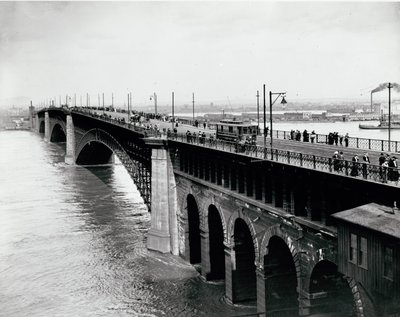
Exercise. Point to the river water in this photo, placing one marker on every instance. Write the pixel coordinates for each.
(72, 243)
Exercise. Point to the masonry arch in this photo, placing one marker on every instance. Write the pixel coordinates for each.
(279, 259)
(244, 286)
(216, 231)
(58, 134)
(192, 232)
(330, 291)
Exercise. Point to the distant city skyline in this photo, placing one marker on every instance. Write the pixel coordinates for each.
(218, 50)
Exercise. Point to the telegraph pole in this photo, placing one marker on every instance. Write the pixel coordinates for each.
(193, 105)
(390, 86)
(258, 112)
(173, 114)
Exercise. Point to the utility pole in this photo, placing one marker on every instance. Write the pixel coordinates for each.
(103, 103)
(390, 86)
(193, 105)
(128, 106)
(265, 121)
(112, 99)
(173, 114)
(258, 112)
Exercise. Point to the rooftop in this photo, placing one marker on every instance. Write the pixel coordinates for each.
(373, 216)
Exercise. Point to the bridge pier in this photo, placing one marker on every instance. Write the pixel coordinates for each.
(163, 234)
(46, 126)
(35, 126)
(70, 151)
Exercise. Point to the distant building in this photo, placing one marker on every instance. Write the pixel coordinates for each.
(297, 116)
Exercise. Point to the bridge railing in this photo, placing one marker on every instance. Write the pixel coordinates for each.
(146, 132)
(370, 172)
(353, 142)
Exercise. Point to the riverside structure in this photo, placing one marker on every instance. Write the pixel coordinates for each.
(283, 229)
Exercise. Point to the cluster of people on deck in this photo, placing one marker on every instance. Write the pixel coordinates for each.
(388, 167)
(338, 139)
(332, 138)
(192, 137)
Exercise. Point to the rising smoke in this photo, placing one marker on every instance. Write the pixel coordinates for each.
(385, 86)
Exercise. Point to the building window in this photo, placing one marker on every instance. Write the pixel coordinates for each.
(362, 258)
(358, 250)
(388, 262)
(353, 248)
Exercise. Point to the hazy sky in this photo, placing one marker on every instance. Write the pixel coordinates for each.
(217, 50)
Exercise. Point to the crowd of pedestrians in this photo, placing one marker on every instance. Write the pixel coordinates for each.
(333, 138)
(388, 167)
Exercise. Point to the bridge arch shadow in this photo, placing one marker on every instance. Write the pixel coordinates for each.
(244, 283)
(330, 292)
(216, 244)
(58, 134)
(97, 147)
(192, 231)
(41, 127)
(280, 278)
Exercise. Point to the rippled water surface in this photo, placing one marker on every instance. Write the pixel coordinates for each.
(72, 243)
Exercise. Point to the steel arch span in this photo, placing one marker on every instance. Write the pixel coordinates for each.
(139, 172)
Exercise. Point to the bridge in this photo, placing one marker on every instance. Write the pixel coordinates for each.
(258, 218)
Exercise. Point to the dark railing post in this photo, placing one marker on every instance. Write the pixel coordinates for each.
(357, 143)
(288, 157)
(369, 144)
(301, 159)
(382, 145)
(284, 135)
(330, 164)
(314, 162)
(396, 146)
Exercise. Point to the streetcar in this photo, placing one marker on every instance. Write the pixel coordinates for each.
(236, 131)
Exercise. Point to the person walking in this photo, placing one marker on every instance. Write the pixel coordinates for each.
(346, 140)
(354, 168)
(366, 162)
(312, 136)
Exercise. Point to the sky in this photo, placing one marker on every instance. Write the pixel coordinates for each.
(220, 51)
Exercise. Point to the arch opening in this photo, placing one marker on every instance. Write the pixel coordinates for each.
(41, 127)
(216, 240)
(58, 134)
(330, 292)
(244, 272)
(281, 279)
(95, 153)
(194, 231)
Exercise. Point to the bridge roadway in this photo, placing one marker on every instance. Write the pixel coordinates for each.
(318, 149)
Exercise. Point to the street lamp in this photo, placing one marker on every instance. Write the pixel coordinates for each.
(390, 86)
(258, 112)
(154, 97)
(271, 103)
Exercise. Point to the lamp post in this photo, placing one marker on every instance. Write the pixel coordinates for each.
(173, 114)
(271, 103)
(258, 112)
(193, 105)
(389, 87)
(154, 96)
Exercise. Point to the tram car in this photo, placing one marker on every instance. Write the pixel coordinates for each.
(236, 131)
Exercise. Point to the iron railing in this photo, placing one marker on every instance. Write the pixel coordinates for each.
(361, 170)
(353, 142)
(136, 127)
